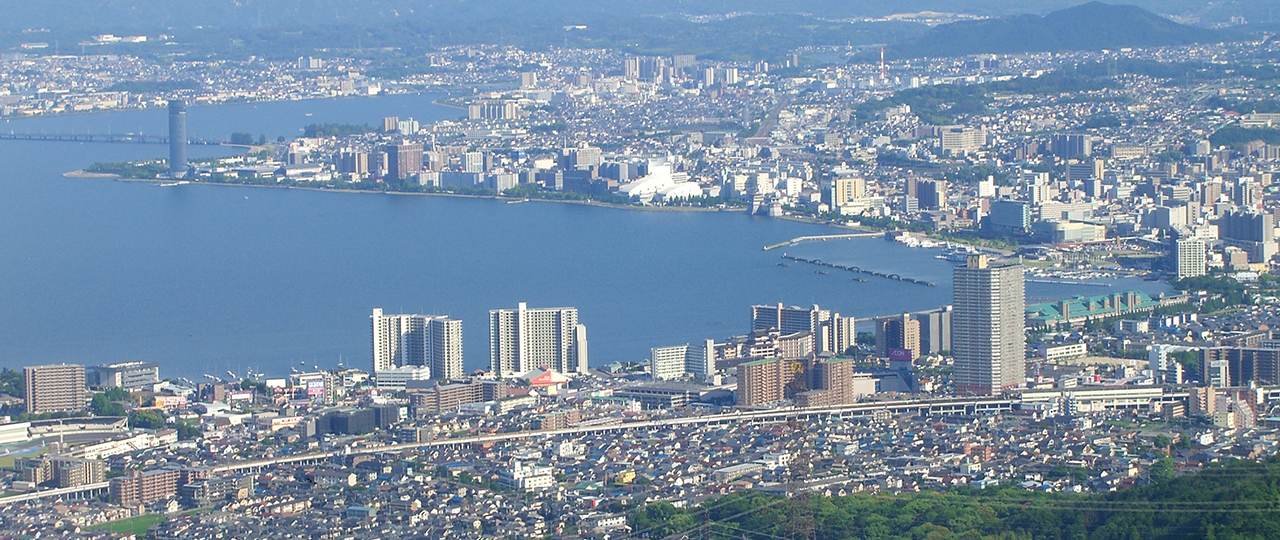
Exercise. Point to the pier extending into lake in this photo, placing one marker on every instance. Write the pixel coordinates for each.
(799, 239)
(99, 138)
(858, 270)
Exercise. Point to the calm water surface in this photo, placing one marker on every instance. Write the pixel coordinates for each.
(206, 279)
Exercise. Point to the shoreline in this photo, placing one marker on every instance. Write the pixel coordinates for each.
(229, 102)
(81, 173)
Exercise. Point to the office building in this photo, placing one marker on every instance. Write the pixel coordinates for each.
(987, 327)
(177, 138)
(1189, 255)
(55, 388)
(524, 339)
(131, 376)
(898, 337)
(1009, 217)
(404, 161)
(433, 341)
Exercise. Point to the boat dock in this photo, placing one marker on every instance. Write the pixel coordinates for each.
(799, 239)
(855, 269)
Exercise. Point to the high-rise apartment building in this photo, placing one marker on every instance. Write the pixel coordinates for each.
(764, 381)
(935, 330)
(931, 194)
(1072, 145)
(988, 325)
(898, 337)
(832, 333)
(680, 361)
(177, 138)
(963, 140)
(434, 341)
(404, 161)
(788, 320)
(846, 189)
(1252, 231)
(55, 388)
(1189, 255)
(524, 339)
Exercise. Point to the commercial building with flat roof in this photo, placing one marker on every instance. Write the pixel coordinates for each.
(131, 376)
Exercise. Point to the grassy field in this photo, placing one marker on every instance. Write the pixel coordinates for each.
(6, 462)
(137, 525)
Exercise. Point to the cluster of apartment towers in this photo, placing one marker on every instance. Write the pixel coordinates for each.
(420, 347)
(985, 330)
(804, 360)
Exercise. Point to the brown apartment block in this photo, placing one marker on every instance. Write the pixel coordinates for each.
(145, 487)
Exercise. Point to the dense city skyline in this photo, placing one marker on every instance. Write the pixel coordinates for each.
(1032, 281)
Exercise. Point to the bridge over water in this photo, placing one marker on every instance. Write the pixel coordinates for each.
(100, 138)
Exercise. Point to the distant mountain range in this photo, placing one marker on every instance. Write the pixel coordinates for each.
(1091, 26)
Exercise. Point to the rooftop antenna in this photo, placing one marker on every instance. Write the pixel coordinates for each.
(882, 75)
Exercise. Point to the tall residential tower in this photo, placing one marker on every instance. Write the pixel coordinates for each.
(988, 325)
(524, 339)
(55, 388)
(177, 138)
(402, 340)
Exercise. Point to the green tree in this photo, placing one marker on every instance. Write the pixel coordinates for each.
(101, 405)
(1162, 470)
(149, 419)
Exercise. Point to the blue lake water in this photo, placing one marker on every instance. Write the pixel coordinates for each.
(206, 279)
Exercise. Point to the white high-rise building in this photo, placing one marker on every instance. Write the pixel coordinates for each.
(988, 325)
(1190, 255)
(433, 341)
(679, 361)
(524, 339)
